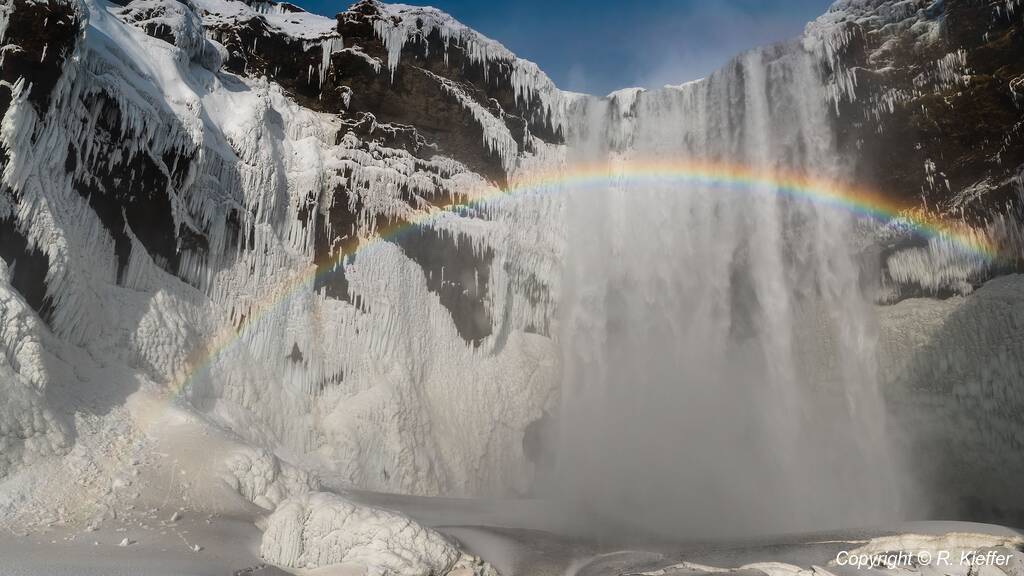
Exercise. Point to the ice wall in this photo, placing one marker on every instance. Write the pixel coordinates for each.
(719, 355)
(212, 298)
(952, 371)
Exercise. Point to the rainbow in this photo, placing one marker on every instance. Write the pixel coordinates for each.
(708, 175)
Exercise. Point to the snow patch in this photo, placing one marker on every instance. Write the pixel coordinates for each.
(295, 22)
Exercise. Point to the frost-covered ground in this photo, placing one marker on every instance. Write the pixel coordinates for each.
(231, 547)
(181, 496)
(513, 545)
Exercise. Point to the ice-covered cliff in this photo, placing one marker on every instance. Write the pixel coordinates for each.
(928, 106)
(180, 181)
(242, 210)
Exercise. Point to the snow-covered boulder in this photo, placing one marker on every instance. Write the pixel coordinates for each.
(263, 479)
(321, 529)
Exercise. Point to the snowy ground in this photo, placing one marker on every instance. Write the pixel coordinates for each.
(529, 537)
(512, 551)
(143, 501)
(232, 547)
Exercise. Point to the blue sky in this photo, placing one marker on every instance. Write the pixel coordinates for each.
(597, 46)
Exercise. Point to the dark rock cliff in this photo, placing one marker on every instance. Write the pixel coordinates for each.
(935, 106)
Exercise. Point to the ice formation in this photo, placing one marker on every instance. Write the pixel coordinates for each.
(401, 24)
(496, 135)
(29, 430)
(250, 153)
(264, 480)
(951, 370)
(320, 530)
(766, 568)
(831, 36)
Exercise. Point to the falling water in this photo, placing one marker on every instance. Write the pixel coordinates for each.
(718, 351)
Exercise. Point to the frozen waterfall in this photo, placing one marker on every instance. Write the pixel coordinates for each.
(719, 354)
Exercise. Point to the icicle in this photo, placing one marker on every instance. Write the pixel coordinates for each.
(496, 136)
(328, 46)
(5, 15)
(401, 24)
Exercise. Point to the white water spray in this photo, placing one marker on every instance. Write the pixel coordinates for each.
(719, 356)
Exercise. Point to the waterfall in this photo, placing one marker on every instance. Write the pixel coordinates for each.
(719, 355)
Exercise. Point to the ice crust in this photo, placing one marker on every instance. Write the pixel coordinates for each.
(29, 430)
(951, 370)
(914, 545)
(321, 529)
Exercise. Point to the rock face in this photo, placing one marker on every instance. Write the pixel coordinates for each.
(296, 224)
(929, 99)
(929, 110)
